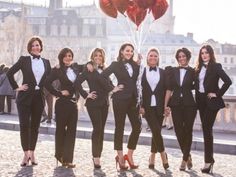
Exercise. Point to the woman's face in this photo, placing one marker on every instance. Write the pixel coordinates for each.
(152, 59)
(67, 60)
(36, 48)
(205, 55)
(128, 52)
(182, 59)
(98, 58)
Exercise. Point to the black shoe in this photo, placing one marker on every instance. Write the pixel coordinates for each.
(96, 166)
(189, 162)
(44, 119)
(48, 121)
(208, 169)
(166, 165)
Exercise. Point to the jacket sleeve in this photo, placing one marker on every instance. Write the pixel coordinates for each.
(105, 80)
(78, 84)
(14, 69)
(225, 78)
(49, 83)
(168, 78)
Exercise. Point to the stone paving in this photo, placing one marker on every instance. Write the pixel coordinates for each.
(11, 156)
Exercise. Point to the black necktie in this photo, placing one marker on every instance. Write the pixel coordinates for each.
(153, 69)
(36, 56)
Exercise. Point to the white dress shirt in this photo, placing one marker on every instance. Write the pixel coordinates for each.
(153, 77)
(129, 69)
(201, 78)
(38, 70)
(71, 75)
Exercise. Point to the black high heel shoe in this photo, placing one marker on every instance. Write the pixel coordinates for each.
(208, 169)
(96, 166)
(166, 165)
(59, 159)
(189, 162)
(122, 166)
(24, 164)
(32, 162)
(151, 166)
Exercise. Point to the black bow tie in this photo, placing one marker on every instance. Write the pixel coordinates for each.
(100, 67)
(204, 65)
(66, 67)
(127, 61)
(36, 56)
(182, 67)
(153, 69)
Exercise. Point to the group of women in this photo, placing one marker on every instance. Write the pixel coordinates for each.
(163, 92)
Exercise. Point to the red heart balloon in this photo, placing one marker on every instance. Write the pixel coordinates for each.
(108, 8)
(145, 3)
(136, 14)
(159, 9)
(121, 5)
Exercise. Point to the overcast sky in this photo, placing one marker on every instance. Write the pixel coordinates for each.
(205, 18)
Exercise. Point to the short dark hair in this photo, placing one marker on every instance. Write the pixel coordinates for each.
(31, 41)
(62, 54)
(185, 51)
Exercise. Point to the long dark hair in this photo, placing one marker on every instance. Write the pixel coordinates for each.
(62, 54)
(210, 50)
(122, 48)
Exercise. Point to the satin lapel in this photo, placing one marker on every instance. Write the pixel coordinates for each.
(145, 80)
(31, 69)
(177, 75)
(161, 76)
(123, 69)
(45, 70)
(185, 76)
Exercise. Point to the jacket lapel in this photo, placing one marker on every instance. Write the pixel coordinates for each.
(177, 75)
(31, 69)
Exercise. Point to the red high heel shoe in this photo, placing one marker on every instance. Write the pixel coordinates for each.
(132, 166)
(122, 167)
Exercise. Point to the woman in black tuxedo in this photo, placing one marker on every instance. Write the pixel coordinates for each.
(209, 97)
(124, 103)
(29, 100)
(153, 96)
(66, 111)
(96, 101)
(179, 97)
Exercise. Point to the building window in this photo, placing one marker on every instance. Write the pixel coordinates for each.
(42, 30)
(73, 30)
(64, 30)
(99, 31)
(54, 30)
(85, 30)
(232, 60)
(225, 60)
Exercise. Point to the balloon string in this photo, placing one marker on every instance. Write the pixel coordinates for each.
(121, 25)
(132, 33)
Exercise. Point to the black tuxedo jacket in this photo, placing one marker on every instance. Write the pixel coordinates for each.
(173, 84)
(159, 91)
(24, 64)
(122, 75)
(214, 72)
(65, 83)
(95, 84)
